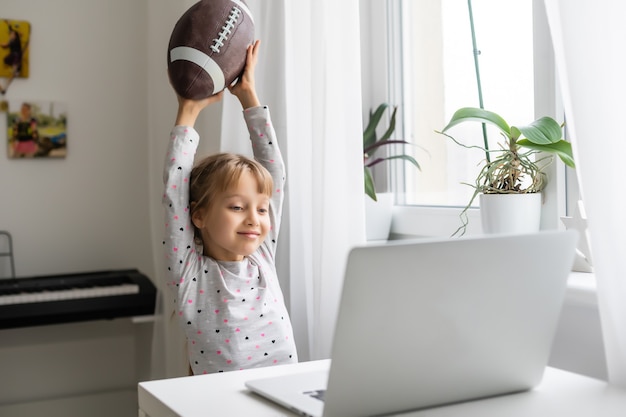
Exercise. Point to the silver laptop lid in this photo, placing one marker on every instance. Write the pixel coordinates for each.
(438, 321)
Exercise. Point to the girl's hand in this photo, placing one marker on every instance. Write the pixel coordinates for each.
(244, 89)
(188, 110)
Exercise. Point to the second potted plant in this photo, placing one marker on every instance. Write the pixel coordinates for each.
(513, 170)
(379, 213)
(372, 143)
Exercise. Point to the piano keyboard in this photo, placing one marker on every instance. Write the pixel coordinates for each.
(75, 297)
(69, 294)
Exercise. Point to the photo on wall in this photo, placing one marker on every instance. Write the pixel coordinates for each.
(14, 51)
(36, 129)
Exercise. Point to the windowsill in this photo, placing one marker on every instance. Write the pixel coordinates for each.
(423, 221)
(581, 289)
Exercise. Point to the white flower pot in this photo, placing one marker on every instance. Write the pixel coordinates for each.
(510, 213)
(378, 216)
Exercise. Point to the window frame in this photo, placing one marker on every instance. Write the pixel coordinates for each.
(431, 221)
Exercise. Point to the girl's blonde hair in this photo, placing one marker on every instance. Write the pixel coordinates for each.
(218, 173)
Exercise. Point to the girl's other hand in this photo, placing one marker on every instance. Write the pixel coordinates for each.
(244, 89)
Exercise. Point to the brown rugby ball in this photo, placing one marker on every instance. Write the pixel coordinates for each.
(207, 47)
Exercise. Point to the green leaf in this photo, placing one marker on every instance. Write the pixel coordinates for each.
(473, 114)
(382, 142)
(561, 148)
(371, 144)
(542, 131)
(369, 134)
(515, 133)
(392, 126)
(369, 184)
(407, 158)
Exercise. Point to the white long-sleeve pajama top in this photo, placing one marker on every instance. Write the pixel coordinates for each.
(233, 313)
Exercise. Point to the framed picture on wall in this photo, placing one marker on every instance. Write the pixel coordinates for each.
(14, 51)
(36, 129)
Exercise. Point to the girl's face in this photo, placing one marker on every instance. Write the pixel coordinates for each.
(236, 223)
(25, 111)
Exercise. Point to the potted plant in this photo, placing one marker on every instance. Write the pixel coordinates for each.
(513, 170)
(371, 144)
(378, 213)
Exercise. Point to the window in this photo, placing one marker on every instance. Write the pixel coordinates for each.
(430, 71)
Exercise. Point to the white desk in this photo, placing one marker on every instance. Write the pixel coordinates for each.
(560, 394)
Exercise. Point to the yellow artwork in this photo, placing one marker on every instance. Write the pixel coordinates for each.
(14, 41)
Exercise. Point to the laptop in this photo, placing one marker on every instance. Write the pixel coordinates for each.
(430, 322)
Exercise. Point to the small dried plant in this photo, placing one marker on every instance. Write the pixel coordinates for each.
(516, 168)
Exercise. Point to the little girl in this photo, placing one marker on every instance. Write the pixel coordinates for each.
(222, 222)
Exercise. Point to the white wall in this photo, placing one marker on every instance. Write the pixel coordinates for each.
(89, 210)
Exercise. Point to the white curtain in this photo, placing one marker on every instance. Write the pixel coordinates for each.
(309, 75)
(589, 38)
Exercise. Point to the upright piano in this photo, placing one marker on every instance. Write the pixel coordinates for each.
(75, 297)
